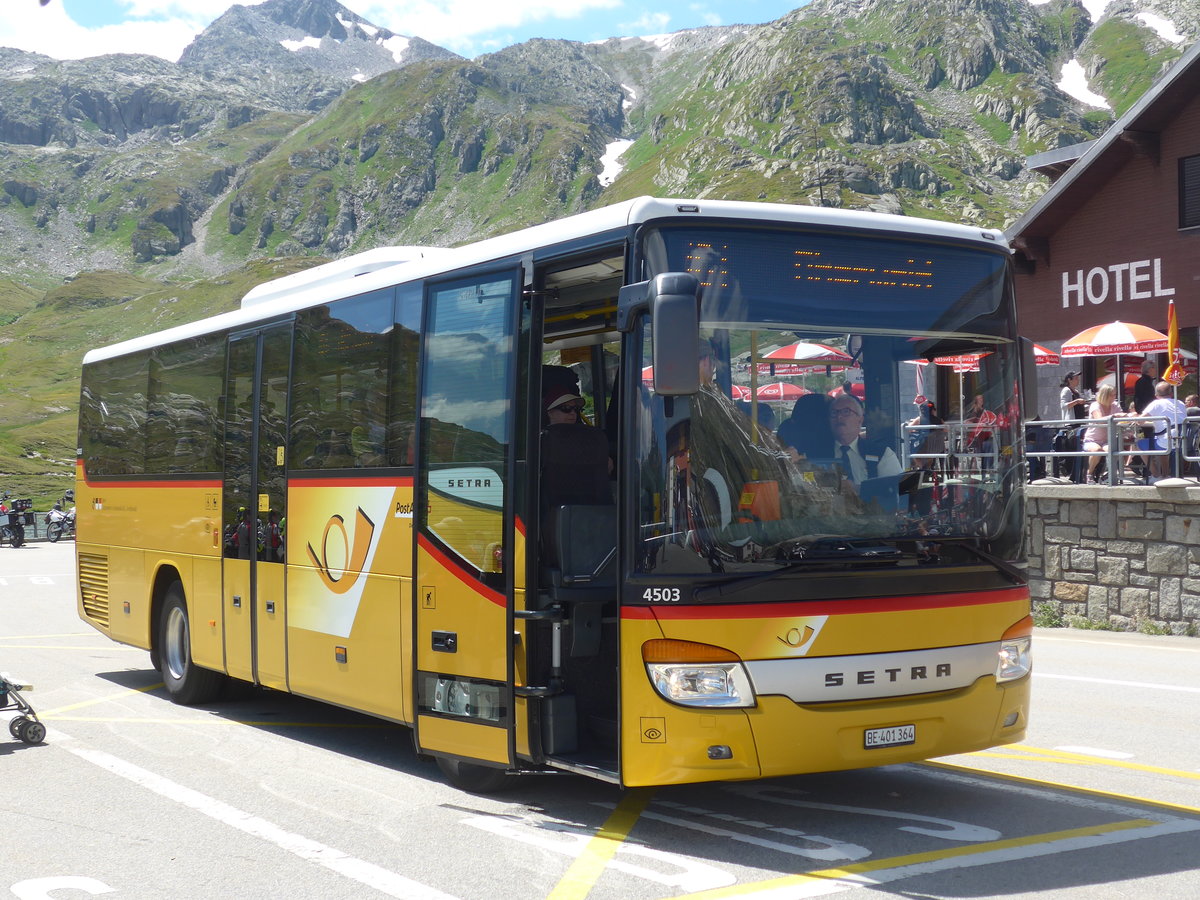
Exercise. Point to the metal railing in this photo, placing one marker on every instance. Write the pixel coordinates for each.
(1125, 440)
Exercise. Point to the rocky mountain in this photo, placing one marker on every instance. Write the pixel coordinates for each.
(295, 129)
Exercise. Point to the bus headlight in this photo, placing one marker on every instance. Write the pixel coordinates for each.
(692, 674)
(1016, 652)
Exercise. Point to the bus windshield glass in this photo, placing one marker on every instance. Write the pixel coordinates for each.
(817, 439)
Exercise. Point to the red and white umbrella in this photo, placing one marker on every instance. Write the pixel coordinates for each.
(780, 391)
(739, 392)
(1044, 357)
(963, 362)
(1115, 338)
(807, 351)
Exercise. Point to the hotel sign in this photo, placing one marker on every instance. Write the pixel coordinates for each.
(1138, 280)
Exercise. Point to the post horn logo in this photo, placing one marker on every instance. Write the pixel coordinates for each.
(341, 580)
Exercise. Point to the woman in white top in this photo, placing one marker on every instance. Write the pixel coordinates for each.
(1095, 436)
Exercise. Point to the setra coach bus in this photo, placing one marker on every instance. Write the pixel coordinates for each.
(351, 488)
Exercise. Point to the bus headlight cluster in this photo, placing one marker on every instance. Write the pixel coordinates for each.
(694, 674)
(1016, 652)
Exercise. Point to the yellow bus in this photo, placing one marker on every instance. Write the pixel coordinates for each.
(350, 488)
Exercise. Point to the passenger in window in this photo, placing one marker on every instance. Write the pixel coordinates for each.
(806, 431)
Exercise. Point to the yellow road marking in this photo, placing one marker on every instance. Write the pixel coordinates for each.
(583, 873)
(97, 700)
(1068, 756)
(850, 875)
(30, 637)
(1059, 785)
(215, 720)
(66, 647)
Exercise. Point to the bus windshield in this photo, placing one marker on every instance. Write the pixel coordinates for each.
(816, 439)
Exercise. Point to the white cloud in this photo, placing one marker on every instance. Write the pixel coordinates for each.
(460, 24)
(165, 27)
(648, 23)
(706, 15)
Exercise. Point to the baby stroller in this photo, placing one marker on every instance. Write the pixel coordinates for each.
(25, 726)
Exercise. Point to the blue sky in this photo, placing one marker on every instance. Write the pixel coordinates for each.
(69, 29)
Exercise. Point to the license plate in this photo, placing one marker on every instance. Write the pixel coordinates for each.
(896, 736)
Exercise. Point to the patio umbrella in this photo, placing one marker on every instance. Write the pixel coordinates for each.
(739, 392)
(807, 351)
(1113, 339)
(780, 391)
(1044, 357)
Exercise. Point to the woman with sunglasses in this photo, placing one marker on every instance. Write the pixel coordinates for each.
(564, 409)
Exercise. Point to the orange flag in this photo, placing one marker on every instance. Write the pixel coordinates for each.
(1174, 374)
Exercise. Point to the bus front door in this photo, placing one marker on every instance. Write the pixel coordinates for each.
(255, 506)
(465, 553)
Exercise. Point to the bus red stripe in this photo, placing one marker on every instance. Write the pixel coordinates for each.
(456, 570)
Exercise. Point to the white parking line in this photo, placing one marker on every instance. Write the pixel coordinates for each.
(366, 873)
(1150, 685)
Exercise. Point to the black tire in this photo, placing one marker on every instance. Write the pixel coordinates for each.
(32, 732)
(471, 777)
(53, 532)
(186, 682)
(15, 725)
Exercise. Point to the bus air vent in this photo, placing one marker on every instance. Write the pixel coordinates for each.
(93, 586)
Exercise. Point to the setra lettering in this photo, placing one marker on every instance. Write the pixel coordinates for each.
(875, 676)
(468, 482)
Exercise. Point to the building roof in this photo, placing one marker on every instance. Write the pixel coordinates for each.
(1134, 134)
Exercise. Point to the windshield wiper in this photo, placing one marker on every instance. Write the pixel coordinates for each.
(1003, 565)
(727, 586)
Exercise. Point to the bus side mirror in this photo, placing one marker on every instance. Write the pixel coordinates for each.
(675, 316)
(1028, 379)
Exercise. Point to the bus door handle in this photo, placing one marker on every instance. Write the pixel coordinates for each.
(270, 606)
(237, 600)
(445, 641)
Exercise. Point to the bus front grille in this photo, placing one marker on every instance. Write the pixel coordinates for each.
(93, 586)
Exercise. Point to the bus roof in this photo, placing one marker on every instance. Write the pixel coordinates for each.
(385, 266)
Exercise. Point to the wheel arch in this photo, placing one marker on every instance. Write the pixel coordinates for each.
(166, 575)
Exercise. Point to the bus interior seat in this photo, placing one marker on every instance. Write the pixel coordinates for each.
(579, 527)
(584, 579)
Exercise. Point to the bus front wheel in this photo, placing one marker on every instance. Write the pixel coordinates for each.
(186, 682)
(471, 777)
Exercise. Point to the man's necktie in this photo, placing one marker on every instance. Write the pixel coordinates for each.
(849, 470)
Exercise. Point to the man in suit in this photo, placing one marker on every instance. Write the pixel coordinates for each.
(859, 456)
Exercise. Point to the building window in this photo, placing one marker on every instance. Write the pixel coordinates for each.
(1189, 192)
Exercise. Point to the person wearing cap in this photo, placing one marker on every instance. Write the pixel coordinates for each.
(1071, 405)
(563, 408)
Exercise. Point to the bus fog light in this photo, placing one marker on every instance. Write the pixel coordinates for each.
(713, 684)
(1016, 659)
(720, 751)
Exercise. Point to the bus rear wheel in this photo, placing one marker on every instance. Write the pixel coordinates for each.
(186, 682)
(472, 777)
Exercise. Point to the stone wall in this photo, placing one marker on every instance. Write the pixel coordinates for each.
(1127, 557)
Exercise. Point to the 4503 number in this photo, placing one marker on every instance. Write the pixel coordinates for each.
(661, 595)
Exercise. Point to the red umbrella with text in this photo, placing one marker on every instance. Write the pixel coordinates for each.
(808, 351)
(1044, 357)
(1113, 339)
(780, 392)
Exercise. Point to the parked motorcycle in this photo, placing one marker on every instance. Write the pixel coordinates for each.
(58, 523)
(12, 519)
